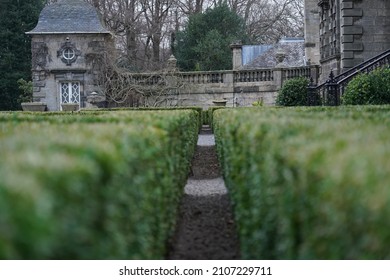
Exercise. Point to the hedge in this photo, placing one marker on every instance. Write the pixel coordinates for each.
(207, 115)
(305, 184)
(368, 88)
(199, 110)
(293, 92)
(95, 185)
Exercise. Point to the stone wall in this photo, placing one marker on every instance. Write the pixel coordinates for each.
(327, 66)
(351, 35)
(365, 30)
(238, 95)
(359, 28)
(375, 22)
(312, 30)
(238, 88)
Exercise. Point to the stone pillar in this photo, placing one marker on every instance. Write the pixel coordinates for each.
(312, 32)
(365, 30)
(315, 73)
(351, 35)
(237, 55)
(278, 77)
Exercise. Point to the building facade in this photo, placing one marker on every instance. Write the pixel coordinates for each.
(66, 43)
(341, 34)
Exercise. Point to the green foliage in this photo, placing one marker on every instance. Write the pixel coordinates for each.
(293, 93)
(205, 42)
(372, 88)
(92, 185)
(207, 115)
(16, 18)
(258, 103)
(27, 91)
(199, 110)
(303, 190)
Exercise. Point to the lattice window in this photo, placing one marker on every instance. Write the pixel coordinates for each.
(70, 92)
(330, 28)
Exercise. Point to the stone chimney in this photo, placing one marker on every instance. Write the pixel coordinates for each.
(237, 55)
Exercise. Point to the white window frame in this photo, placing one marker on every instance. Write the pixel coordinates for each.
(68, 54)
(70, 92)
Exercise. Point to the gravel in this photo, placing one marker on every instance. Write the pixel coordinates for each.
(205, 187)
(205, 227)
(206, 140)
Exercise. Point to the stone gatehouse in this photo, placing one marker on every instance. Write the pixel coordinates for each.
(68, 38)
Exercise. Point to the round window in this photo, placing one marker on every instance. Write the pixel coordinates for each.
(68, 54)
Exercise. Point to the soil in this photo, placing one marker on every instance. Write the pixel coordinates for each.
(205, 228)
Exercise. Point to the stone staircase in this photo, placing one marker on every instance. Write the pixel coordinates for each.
(332, 90)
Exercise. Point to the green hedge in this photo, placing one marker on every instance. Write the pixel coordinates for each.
(207, 115)
(199, 110)
(372, 88)
(293, 92)
(308, 183)
(94, 185)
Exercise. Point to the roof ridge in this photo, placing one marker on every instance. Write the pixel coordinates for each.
(69, 16)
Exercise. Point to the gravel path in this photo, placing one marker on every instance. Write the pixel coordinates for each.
(205, 229)
(206, 140)
(205, 187)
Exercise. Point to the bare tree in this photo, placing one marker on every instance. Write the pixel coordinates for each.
(150, 90)
(123, 17)
(269, 20)
(155, 14)
(144, 29)
(121, 87)
(190, 7)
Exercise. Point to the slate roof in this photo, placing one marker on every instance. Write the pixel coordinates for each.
(69, 16)
(294, 50)
(250, 52)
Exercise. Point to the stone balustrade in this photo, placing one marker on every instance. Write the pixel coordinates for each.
(237, 87)
(229, 76)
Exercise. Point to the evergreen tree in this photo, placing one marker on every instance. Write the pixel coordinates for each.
(16, 18)
(204, 44)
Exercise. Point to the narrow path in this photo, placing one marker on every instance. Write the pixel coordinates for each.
(205, 229)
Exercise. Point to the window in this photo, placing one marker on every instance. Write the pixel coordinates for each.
(68, 54)
(70, 92)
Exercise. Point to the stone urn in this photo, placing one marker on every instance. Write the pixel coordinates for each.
(280, 56)
(220, 102)
(34, 106)
(70, 107)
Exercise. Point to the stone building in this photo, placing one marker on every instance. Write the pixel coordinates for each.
(66, 43)
(340, 34)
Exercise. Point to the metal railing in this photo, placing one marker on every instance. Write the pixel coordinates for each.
(332, 90)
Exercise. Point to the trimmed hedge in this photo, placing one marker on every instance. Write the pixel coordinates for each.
(207, 115)
(93, 185)
(199, 110)
(369, 89)
(308, 183)
(293, 92)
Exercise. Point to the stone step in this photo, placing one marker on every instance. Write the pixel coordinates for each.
(206, 129)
